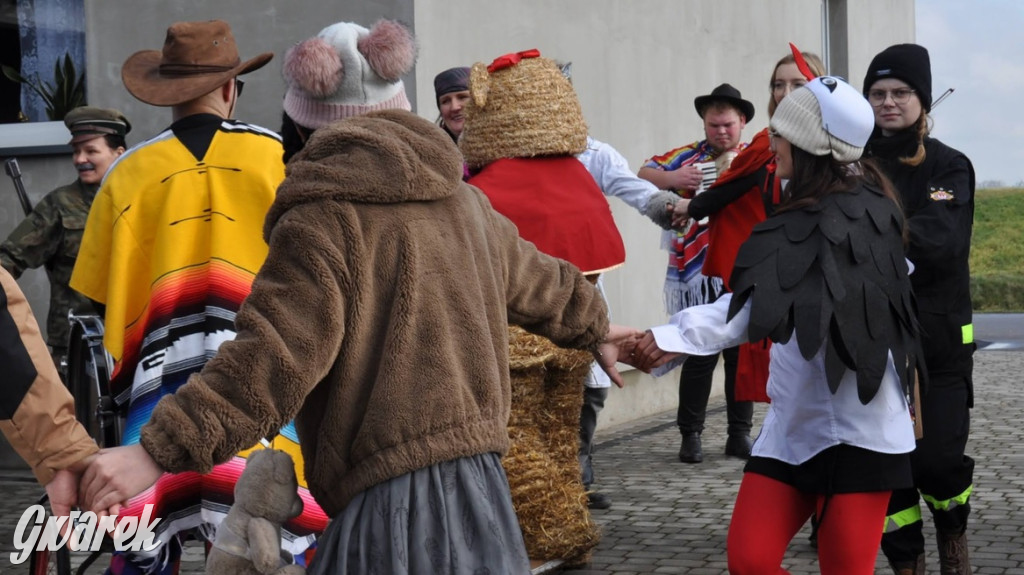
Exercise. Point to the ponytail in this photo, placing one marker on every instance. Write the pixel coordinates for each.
(922, 131)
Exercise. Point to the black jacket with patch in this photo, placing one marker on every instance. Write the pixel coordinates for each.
(938, 201)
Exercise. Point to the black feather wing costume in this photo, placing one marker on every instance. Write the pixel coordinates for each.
(834, 273)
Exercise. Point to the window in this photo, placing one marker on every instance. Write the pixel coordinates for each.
(34, 35)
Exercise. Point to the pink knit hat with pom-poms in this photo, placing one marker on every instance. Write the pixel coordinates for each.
(347, 70)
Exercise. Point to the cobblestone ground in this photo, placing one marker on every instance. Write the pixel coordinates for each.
(669, 517)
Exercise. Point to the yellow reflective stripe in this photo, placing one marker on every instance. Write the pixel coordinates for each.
(951, 502)
(968, 333)
(903, 518)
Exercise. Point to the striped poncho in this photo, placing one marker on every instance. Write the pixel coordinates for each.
(685, 285)
(172, 244)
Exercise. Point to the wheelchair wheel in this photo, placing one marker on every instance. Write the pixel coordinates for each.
(88, 378)
(50, 562)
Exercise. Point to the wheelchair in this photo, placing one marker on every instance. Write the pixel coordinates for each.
(86, 372)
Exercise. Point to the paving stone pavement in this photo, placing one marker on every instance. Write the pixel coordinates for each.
(670, 517)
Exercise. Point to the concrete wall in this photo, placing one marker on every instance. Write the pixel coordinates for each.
(637, 67)
(874, 26)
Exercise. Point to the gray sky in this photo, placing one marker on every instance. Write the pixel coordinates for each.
(977, 47)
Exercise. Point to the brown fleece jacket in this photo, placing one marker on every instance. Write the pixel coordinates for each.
(379, 320)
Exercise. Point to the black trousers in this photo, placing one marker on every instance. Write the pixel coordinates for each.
(695, 388)
(942, 471)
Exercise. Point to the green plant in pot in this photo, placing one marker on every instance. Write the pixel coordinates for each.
(66, 93)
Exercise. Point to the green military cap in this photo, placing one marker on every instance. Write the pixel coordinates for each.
(86, 123)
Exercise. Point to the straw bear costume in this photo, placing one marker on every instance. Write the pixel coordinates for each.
(524, 127)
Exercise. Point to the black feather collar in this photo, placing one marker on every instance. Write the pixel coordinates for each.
(835, 274)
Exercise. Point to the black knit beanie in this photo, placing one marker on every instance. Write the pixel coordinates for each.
(907, 62)
(451, 80)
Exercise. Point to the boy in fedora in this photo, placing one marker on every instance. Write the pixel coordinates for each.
(725, 113)
(171, 247)
(50, 236)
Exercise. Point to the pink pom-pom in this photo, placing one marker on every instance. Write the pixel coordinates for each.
(314, 67)
(389, 48)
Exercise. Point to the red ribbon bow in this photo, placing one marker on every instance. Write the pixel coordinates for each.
(509, 60)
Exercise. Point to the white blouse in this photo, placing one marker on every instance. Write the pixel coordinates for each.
(804, 418)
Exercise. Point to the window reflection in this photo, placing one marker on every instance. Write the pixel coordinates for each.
(34, 35)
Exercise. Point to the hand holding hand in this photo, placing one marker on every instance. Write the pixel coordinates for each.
(680, 213)
(647, 355)
(615, 347)
(117, 474)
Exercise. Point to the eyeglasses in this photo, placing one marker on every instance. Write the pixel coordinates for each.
(772, 134)
(239, 85)
(899, 96)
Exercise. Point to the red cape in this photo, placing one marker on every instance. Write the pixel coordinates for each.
(556, 204)
(731, 226)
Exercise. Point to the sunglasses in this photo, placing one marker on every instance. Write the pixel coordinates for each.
(239, 85)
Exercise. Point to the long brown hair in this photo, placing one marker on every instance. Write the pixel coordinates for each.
(815, 177)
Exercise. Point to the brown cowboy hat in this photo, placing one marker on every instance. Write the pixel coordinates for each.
(196, 59)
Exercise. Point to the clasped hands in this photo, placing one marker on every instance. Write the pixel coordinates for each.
(102, 482)
(632, 347)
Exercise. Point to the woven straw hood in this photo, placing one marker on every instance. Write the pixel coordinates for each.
(525, 110)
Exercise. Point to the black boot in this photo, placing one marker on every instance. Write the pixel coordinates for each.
(910, 567)
(690, 451)
(598, 500)
(739, 446)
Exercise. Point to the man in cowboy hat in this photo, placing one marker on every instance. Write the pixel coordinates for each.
(725, 114)
(174, 237)
(51, 234)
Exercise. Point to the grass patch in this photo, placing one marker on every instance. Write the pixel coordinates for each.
(997, 251)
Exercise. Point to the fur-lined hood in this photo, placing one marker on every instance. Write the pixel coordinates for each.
(383, 157)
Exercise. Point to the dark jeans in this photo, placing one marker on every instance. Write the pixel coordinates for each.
(593, 403)
(695, 388)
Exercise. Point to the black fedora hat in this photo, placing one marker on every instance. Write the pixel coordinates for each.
(725, 93)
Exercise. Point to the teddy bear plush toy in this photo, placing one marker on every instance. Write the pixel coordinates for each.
(248, 541)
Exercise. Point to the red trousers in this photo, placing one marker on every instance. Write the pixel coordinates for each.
(769, 513)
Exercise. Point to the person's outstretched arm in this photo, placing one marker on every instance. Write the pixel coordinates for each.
(37, 413)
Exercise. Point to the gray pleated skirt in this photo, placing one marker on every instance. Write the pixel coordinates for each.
(452, 517)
